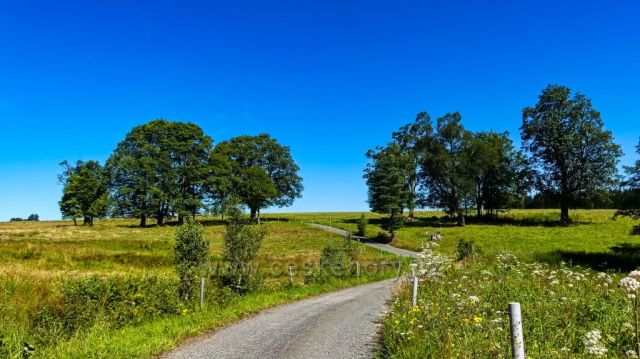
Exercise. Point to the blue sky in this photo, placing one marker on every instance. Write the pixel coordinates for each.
(330, 79)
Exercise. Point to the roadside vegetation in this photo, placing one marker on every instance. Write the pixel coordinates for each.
(112, 291)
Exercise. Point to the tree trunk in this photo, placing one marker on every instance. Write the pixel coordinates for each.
(461, 220)
(143, 220)
(258, 216)
(180, 219)
(85, 220)
(90, 221)
(75, 223)
(254, 215)
(564, 211)
(479, 209)
(160, 219)
(411, 214)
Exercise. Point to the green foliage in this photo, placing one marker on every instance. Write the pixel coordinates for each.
(159, 169)
(445, 167)
(33, 218)
(411, 139)
(573, 155)
(465, 248)
(334, 261)
(114, 301)
(85, 192)
(362, 225)
(191, 254)
(463, 315)
(244, 157)
(631, 208)
(393, 224)
(241, 243)
(500, 173)
(386, 178)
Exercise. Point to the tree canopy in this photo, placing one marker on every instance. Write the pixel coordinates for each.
(160, 169)
(574, 156)
(85, 192)
(261, 173)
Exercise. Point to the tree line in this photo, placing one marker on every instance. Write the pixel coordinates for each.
(166, 169)
(567, 158)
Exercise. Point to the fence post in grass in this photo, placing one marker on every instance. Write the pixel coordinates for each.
(357, 269)
(290, 277)
(414, 298)
(515, 320)
(201, 293)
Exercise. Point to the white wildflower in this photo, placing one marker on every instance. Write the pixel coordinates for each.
(592, 343)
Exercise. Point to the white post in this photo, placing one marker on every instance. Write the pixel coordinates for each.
(515, 319)
(358, 269)
(415, 284)
(290, 276)
(201, 293)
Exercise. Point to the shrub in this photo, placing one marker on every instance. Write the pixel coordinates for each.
(334, 261)
(241, 244)
(362, 225)
(191, 252)
(465, 248)
(116, 301)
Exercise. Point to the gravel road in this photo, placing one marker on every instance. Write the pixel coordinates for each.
(383, 247)
(342, 324)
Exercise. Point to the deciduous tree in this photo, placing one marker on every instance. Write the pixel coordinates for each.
(160, 169)
(85, 192)
(573, 154)
(445, 167)
(262, 164)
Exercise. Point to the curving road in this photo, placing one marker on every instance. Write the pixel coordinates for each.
(380, 246)
(342, 324)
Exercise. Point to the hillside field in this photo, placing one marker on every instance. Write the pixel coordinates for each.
(108, 290)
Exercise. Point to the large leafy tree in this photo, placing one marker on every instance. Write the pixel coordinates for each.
(445, 167)
(85, 192)
(386, 178)
(411, 140)
(160, 169)
(573, 154)
(258, 165)
(500, 173)
(631, 204)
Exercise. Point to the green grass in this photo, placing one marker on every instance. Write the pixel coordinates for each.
(594, 239)
(38, 258)
(560, 305)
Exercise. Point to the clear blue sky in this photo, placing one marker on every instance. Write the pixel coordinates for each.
(330, 79)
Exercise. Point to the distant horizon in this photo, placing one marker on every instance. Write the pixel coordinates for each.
(330, 80)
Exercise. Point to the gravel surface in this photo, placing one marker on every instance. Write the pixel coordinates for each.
(383, 247)
(342, 324)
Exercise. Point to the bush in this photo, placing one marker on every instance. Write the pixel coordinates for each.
(334, 261)
(191, 253)
(362, 225)
(466, 248)
(241, 244)
(115, 301)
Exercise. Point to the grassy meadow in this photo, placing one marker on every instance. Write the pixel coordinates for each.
(106, 291)
(594, 239)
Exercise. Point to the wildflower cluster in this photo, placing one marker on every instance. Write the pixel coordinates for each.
(463, 313)
(592, 344)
